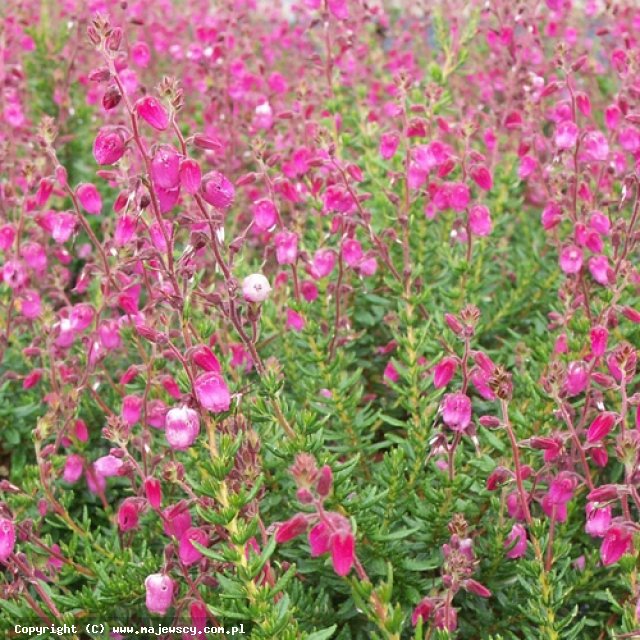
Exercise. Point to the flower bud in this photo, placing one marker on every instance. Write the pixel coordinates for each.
(256, 288)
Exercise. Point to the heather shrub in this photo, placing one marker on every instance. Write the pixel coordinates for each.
(320, 318)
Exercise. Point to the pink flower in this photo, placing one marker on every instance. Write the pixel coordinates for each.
(577, 377)
(599, 269)
(561, 489)
(598, 520)
(182, 426)
(212, 392)
(128, 514)
(153, 492)
(480, 220)
(265, 215)
(108, 147)
(131, 409)
(458, 196)
(7, 236)
(351, 252)
(617, 541)
(89, 198)
(571, 259)
(424, 610)
(596, 146)
(294, 320)
(389, 145)
(140, 54)
(14, 274)
(601, 426)
(159, 593)
(64, 225)
(125, 230)
(338, 8)
(444, 371)
(152, 112)
(29, 304)
(391, 373)
(566, 135)
(599, 336)
(176, 520)
(600, 223)
(456, 411)
(286, 243)
(204, 358)
(107, 466)
(481, 175)
(291, 528)
(516, 542)
(217, 190)
(165, 167)
(81, 317)
(256, 288)
(186, 551)
(334, 534)
(190, 176)
(527, 166)
(323, 262)
(7, 538)
(73, 468)
(629, 138)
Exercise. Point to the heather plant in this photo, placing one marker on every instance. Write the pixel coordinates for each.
(320, 318)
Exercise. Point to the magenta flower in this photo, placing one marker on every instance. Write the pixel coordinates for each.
(165, 167)
(182, 426)
(125, 230)
(480, 220)
(294, 320)
(89, 198)
(217, 190)
(152, 112)
(128, 513)
(212, 392)
(481, 175)
(389, 145)
(159, 593)
(73, 468)
(599, 269)
(456, 411)
(323, 263)
(292, 528)
(190, 176)
(7, 538)
(351, 252)
(29, 304)
(186, 551)
(107, 466)
(571, 259)
(334, 535)
(140, 54)
(203, 357)
(286, 243)
(424, 610)
(108, 147)
(176, 520)
(265, 215)
(516, 542)
(577, 378)
(131, 409)
(598, 519)
(616, 542)
(599, 336)
(153, 492)
(566, 135)
(601, 426)
(444, 371)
